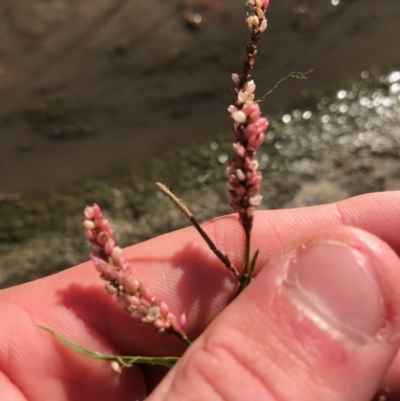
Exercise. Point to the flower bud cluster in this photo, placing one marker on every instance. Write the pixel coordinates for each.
(131, 294)
(248, 129)
(257, 21)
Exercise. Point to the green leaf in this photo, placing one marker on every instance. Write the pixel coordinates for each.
(127, 361)
(253, 265)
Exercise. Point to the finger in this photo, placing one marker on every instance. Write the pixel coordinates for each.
(320, 322)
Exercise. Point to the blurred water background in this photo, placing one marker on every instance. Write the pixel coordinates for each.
(100, 99)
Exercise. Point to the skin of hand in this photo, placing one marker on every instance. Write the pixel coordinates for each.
(319, 322)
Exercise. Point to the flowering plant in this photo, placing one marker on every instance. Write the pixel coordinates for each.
(134, 296)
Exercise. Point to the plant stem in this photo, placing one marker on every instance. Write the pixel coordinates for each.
(178, 202)
(244, 278)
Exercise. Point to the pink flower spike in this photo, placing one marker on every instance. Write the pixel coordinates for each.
(264, 4)
(131, 295)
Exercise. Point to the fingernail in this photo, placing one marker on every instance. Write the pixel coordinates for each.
(337, 285)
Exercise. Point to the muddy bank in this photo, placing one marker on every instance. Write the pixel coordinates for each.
(86, 86)
(335, 145)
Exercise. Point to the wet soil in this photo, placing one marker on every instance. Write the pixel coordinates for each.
(89, 85)
(99, 102)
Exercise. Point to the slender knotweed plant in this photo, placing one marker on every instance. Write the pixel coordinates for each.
(244, 188)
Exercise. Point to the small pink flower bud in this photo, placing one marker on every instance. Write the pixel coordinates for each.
(164, 309)
(90, 234)
(123, 300)
(89, 213)
(250, 87)
(250, 108)
(242, 96)
(111, 289)
(109, 246)
(134, 301)
(250, 212)
(131, 286)
(102, 238)
(256, 180)
(182, 320)
(239, 149)
(240, 190)
(147, 295)
(161, 324)
(116, 254)
(253, 191)
(173, 321)
(104, 268)
(97, 211)
(232, 109)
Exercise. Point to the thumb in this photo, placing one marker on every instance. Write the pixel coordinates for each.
(319, 322)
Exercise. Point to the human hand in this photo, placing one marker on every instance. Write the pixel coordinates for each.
(276, 341)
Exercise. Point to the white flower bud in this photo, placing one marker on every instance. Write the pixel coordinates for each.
(252, 21)
(240, 174)
(89, 224)
(263, 25)
(239, 116)
(89, 212)
(255, 200)
(116, 367)
(242, 96)
(250, 87)
(235, 78)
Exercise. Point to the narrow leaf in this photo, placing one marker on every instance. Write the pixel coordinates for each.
(127, 361)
